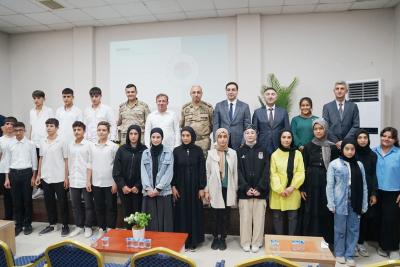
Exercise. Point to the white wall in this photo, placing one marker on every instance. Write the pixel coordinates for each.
(5, 76)
(396, 71)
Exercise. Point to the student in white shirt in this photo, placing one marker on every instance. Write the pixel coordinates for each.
(165, 119)
(67, 115)
(20, 168)
(96, 113)
(100, 179)
(53, 174)
(7, 138)
(78, 160)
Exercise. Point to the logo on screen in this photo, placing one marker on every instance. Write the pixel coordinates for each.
(182, 70)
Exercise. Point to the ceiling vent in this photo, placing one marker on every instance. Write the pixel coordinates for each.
(51, 4)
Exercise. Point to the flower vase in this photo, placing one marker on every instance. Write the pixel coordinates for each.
(138, 233)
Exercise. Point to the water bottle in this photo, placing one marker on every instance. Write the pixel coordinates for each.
(302, 245)
(295, 245)
(223, 263)
(105, 241)
(93, 243)
(277, 248)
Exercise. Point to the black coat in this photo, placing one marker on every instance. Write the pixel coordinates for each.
(253, 170)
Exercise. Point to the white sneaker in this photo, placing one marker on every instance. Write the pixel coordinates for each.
(341, 260)
(101, 233)
(38, 193)
(350, 262)
(246, 248)
(108, 229)
(88, 232)
(356, 254)
(362, 251)
(255, 249)
(394, 255)
(76, 232)
(382, 252)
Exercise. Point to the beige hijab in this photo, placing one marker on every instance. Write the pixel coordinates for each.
(221, 151)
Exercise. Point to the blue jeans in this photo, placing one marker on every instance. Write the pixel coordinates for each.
(347, 228)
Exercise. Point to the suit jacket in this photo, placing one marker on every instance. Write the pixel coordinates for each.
(266, 133)
(341, 129)
(241, 117)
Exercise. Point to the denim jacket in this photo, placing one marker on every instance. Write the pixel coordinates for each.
(164, 175)
(338, 184)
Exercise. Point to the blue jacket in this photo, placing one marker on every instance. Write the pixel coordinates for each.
(164, 175)
(337, 185)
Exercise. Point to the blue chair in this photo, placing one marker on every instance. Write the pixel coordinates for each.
(160, 257)
(267, 261)
(7, 258)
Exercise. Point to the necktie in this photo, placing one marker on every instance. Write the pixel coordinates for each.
(271, 117)
(341, 111)
(231, 111)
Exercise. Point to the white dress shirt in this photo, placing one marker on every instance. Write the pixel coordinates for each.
(233, 106)
(52, 169)
(337, 104)
(4, 141)
(66, 119)
(38, 124)
(21, 155)
(169, 123)
(273, 112)
(101, 162)
(78, 162)
(92, 117)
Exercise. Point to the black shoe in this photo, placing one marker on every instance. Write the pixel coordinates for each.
(222, 244)
(193, 248)
(65, 230)
(18, 230)
(28, 230)
(215, 243)
(49, 229)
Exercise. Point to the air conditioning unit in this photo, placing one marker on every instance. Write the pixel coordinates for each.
(368, 96)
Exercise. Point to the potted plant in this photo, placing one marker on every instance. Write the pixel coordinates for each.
(139, 221)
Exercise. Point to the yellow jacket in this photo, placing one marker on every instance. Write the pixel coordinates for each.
(279, 181)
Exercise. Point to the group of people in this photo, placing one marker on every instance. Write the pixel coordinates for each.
(321, 172)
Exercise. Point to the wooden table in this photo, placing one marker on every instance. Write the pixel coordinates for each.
(117, 252)
(313, 252)
(7, 234)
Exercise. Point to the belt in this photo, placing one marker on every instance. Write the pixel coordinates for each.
(202, 137)
(21, 170)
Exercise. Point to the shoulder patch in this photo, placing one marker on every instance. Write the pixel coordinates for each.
(207, 104)
(187, 104)
(143, 104)
(121, 105)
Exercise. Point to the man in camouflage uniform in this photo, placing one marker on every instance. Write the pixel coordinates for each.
(198, 115)
(132, 112)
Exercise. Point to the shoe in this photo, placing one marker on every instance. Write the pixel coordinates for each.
(193, 249)
(222, 244)
(88, 232)
(350, 262)
(100, 234)
(28, 230)
(340, 260)
(38, 193)
(187, 248)
(49, 229)
(255, 249)
(215, 243)
(246, 248)
(18, 230)
(382, 252)
(362, 251)
(108, 229)
(356, 254)
(64, 231)
(77, 231)
(394, 255)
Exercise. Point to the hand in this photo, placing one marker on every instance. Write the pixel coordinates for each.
(333, 211)
(303, 195)
(250, 192)
(256, 193)
(114, 188)
(372, 200)
(38, 181)
(150, 193)
(118, 123)
(66, 183)
(283, 194)
(33, 180)
(175, 193)
(155, 191)
(126, 190)
(301, 148)
(134, 190)
(339, 145)
(201, 194)
(207, 197)
(398, 200)
(289, 190)
(363, 212)
(88, 187)
(7, 184)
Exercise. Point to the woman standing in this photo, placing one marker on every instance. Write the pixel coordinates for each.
(287, 175)
(157, 170)
(126, 172)
(222, 186)
(188, 189)
(388, 173)
(302, 125)
(315, 219)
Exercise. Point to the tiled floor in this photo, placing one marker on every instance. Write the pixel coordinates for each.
(204, 256)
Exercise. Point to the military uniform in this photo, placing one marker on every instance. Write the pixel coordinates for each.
(132, 115)
(200, 118)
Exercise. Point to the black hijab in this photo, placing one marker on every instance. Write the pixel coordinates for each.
(362, 150)
(155, 151)
(192, 134)
(356, 177)
(292, 153)
(139, 145)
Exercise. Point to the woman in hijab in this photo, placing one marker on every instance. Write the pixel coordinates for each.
(188, 189)
(369, 159)
(315, 219)
(347, 193)
(287, 175)
(126, 172)
(222, 186)
(157, 169)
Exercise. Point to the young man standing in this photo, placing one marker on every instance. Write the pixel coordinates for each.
(67, 115)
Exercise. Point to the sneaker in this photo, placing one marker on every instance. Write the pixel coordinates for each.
(28, 230)
(215, 243)
(382, 252)
(77, 231)
(64, 230)
(362, 251)
(255, 249)
(222, 244)
(340, 260)
(187, 248)
(18, 230)
(350, 262)
(100, 234)
(246, 248)
(356, 254)
(88, 232)
(108, 229)
(49, 229)
(38, 193)
(193, 249)
(394, 255)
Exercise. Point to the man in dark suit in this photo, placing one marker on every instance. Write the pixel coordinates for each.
(232, 114)
(269, 120)
(342, 116)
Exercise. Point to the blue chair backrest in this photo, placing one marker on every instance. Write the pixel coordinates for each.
(69, 255)
(3, 261)
(159, 260)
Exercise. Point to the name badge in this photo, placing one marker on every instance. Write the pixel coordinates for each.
(260, 155)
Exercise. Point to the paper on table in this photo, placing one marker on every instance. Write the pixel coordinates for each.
(324, 244)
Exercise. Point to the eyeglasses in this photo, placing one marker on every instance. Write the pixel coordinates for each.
(18, 131)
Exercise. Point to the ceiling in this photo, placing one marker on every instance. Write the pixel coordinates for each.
(19, 16)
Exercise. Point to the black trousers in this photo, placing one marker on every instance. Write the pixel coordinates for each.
(388, 220)
(8, 203)
(82, 218)
(221, 218)
(50, 191)
(131, 203)
(104, 198)
(21, 191)
(363, 228)
(38, 157)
